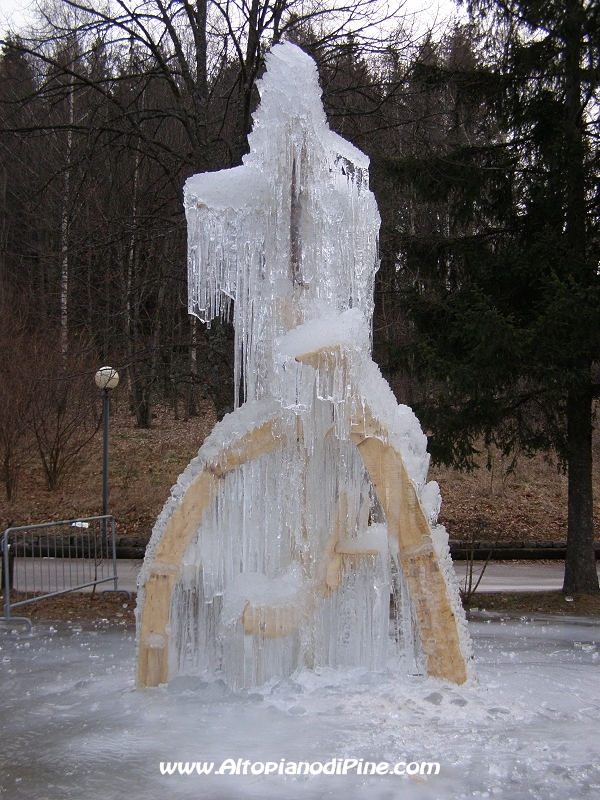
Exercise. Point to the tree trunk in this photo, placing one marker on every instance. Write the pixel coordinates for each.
(580, 563)
(142, 402)
(248, 73)
(191, 409)
(64, 234)
(200, 91)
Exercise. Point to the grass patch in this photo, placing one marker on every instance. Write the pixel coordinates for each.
(583, 605)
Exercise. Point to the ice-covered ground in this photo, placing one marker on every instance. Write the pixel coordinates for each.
(73, 726)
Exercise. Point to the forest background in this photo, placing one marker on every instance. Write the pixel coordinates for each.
(484, 161)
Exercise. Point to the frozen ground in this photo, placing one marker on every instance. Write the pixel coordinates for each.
(72, 725)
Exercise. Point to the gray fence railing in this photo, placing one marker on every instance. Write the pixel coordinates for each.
(53, 558)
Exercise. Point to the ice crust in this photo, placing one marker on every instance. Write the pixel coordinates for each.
(296, 538)
(528, 729)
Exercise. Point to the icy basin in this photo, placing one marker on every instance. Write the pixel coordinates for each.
(73, 725)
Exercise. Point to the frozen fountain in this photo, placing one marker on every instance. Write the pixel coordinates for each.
(307, 507)
(279, 547)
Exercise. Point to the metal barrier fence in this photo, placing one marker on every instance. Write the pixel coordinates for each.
(41, 561)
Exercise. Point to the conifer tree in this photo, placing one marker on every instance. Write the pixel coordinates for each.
(505, 293)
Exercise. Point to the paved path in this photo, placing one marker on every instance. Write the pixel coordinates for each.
(516, 577)
(127, 570)
(497, 577)
(49, 575)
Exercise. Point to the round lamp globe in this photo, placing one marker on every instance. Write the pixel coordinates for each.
(107, 378)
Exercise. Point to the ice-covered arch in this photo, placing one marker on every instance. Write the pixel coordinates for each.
(308, 505)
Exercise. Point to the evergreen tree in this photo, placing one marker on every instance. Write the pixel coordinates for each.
(505, 294)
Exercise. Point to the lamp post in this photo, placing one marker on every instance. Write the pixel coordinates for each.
(106, 379)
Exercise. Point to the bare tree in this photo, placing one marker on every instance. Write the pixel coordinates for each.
(139, 95)
(64, 409)
(16, 442)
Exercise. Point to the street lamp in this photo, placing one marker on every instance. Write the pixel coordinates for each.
(106, 379)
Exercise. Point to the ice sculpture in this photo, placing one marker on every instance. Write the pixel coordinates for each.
(307, 507)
